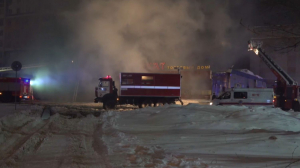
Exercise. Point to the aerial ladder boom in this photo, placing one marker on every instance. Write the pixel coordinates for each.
(279, 72)
(287, 88)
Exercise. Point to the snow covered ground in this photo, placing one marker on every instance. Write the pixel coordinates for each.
(193, 135)
(9, 108)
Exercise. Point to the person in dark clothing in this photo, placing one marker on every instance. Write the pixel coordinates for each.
(213, 96)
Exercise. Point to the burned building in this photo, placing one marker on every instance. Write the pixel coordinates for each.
(242, 78)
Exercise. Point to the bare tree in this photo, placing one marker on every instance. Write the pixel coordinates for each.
(281, 24)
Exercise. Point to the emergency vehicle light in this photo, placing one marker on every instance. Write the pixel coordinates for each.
(108, 76)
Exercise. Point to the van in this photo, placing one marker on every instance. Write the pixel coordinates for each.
(246, 96)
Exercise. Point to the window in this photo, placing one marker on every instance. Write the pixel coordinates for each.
(127, 81)
(147, 77)
(105, 83)
(240, 95)
(226, 95)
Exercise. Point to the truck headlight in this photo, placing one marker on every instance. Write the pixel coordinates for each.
(103, 89)
(211, 103)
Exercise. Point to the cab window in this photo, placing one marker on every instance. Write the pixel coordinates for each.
(225, 95)
(105, 83)
(240, 95)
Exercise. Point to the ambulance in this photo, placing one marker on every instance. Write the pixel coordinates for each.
(246, 96)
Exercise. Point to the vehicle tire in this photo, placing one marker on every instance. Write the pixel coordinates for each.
(170, 102)
(103, 105)
(109, 105)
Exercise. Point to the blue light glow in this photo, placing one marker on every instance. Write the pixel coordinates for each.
(26, 80)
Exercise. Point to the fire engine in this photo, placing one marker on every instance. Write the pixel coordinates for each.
(286, 89)
(15, 87)
(141, 89)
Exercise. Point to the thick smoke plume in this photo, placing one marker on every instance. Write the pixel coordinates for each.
(126, 34)
(122, 36)
(106, 37)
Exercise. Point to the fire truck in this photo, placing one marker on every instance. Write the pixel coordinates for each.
(286, 88)
(15, 87)
(140, 89)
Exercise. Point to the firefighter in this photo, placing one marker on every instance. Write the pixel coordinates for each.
(213, 96)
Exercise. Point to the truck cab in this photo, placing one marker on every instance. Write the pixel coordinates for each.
(106, 92)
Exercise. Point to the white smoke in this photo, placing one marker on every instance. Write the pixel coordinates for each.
(115, 36)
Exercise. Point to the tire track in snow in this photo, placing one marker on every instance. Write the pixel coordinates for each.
(99, 146)
(10, 151)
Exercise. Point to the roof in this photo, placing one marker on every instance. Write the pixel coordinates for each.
(241, 72)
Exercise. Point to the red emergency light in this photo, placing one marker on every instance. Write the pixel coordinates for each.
(108, 77)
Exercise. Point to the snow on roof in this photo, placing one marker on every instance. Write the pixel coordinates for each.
(246, 71)
(259, 76)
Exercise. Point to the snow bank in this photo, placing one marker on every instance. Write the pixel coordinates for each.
(200, 136)
(196, 116)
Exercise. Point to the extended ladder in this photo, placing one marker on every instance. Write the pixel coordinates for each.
(279, 72)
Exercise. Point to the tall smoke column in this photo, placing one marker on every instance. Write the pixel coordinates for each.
(123, 35)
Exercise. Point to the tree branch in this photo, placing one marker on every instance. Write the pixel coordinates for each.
(295, 45)
(247, 27)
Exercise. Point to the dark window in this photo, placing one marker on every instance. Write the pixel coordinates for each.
(18, 10)
(147, 77)
(226, 95)
(240, 95)
(1, 22)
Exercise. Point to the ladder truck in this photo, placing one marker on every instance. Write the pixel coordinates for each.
(286, 89)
